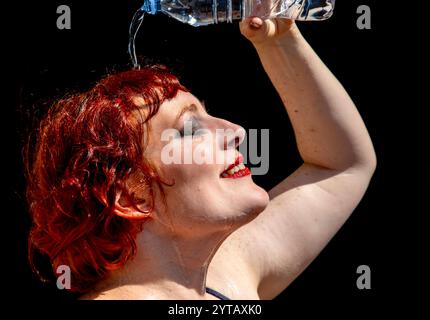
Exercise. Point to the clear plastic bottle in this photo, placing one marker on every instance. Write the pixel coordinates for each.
(204, 12)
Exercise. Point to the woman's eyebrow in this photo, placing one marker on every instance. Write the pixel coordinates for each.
(189, 108)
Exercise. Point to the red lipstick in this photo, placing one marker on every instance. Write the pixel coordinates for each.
(236, 169)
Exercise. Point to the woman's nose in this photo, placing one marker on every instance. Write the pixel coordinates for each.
(233, 135)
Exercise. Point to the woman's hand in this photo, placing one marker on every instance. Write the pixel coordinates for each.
(262, 32)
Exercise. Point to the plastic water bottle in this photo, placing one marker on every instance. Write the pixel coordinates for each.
(204, 12)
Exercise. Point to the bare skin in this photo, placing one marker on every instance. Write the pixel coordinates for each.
(232, 236)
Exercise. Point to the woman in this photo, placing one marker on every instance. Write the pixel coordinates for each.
(129, 225)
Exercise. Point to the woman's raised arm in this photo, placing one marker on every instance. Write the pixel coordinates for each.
(328, 128)
(308, 207)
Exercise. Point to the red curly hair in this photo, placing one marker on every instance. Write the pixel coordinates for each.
(86, 148)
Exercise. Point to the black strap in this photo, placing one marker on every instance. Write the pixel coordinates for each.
(216, 294)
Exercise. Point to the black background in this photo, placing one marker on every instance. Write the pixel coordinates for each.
(221, 67)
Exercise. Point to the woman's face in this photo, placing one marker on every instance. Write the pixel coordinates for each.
(193, 149)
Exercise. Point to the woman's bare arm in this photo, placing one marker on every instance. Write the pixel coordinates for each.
(328, 128)
(309, 206)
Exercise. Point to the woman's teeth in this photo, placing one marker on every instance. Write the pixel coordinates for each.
(235, 169)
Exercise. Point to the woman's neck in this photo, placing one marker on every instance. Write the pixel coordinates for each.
(166, 266)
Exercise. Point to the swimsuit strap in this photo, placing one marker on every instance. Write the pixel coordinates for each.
(216, 294)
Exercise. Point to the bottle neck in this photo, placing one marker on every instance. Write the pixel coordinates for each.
(222, 10)
(227, 10)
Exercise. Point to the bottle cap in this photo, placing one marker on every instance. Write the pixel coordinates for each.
(151, 6)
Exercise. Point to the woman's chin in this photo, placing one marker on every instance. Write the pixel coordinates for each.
(254, 202)
(260, 200)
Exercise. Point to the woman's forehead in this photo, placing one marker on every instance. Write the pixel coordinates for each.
(171, 109)
(180, 100)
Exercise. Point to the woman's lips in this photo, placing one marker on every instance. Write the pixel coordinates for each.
(236, 174)
(236, 169)
(238, 160)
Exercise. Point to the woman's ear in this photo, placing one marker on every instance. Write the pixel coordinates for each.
(126, 206)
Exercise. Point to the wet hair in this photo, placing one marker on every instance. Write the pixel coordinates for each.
(83, 152)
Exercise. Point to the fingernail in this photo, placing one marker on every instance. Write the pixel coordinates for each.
(256, 23)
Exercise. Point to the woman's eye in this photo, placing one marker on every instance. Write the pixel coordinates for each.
(190, 128)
